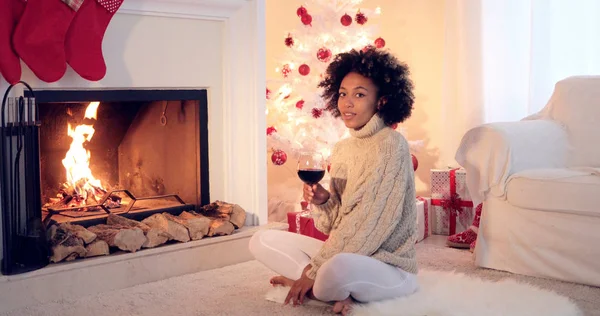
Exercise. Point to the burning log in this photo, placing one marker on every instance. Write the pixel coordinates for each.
(176, 230)
(70, 197)
(155, 236)
(122, 237)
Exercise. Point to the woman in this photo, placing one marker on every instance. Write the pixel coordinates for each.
(369, 211)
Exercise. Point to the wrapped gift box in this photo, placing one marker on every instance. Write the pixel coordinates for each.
(303, 223)
(423, 218)
(451, 205)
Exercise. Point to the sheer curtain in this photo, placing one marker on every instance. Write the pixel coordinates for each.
(503, 57)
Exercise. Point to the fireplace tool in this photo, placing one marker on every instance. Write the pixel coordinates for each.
(24, 245)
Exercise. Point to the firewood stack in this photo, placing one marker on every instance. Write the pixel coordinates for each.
(70, 241)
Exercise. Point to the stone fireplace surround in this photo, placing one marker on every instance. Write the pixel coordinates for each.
(218, 45)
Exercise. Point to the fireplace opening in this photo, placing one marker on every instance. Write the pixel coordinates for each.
(127, 152)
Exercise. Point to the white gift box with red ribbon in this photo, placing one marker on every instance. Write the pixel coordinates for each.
(451, 205)
(423, 218)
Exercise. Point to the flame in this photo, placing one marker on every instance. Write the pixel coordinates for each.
(77, 159)
(90, 111)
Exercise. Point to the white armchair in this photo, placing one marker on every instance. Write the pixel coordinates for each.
(539, 181)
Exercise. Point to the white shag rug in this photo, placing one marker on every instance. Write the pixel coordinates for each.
(240, 290)
(456, 294)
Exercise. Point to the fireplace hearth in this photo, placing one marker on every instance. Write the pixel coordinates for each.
(129, 167)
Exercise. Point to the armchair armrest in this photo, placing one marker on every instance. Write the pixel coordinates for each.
(491, 153)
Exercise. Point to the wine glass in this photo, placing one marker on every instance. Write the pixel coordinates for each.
(311, 167)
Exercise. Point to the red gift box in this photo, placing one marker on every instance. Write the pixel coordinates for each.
(303, 223)
(452, 208)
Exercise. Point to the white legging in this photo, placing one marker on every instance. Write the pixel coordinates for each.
(364, 278)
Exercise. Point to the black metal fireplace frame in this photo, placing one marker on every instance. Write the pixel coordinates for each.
(142, 95)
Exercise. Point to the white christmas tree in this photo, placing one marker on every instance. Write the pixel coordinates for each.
(296, 118)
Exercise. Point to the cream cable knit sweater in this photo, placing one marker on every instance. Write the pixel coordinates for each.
(371, 210)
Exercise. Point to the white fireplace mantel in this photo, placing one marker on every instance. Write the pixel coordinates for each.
(196, 9)
(241, 176)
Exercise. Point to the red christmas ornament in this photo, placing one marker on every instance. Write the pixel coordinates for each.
(285, 70)
(279, 157)
(271, 130)
(379, 42)
(346, 20)
(289, 41)
(268, 93)
(324, 54)
(306, 19)
(300, 104)
(301, 11)
(304, 69)
(361, 18)
(415, 162)
(316, 113)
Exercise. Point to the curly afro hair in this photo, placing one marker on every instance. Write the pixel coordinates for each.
(387, 73)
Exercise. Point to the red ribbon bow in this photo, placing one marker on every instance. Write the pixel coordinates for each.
(452, 204)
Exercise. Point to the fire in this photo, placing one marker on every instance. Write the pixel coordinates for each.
(77, 160)
(82, 190)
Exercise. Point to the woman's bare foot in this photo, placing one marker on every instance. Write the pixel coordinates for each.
(281, 280)
(344, 307)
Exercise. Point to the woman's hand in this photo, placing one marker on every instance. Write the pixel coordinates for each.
(300, 288)
(315, 194)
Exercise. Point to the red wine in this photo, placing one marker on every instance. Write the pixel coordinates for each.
(311, 176)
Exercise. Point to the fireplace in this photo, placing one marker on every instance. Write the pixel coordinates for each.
(214, 46)
(127, 167)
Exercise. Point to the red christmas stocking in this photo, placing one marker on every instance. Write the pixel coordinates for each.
(10, 64)
(83, 45)
(39, 38)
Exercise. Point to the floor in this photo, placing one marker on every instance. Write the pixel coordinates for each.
(240, 290)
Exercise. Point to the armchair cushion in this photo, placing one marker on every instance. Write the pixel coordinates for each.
(557, 190)
(491, 153)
